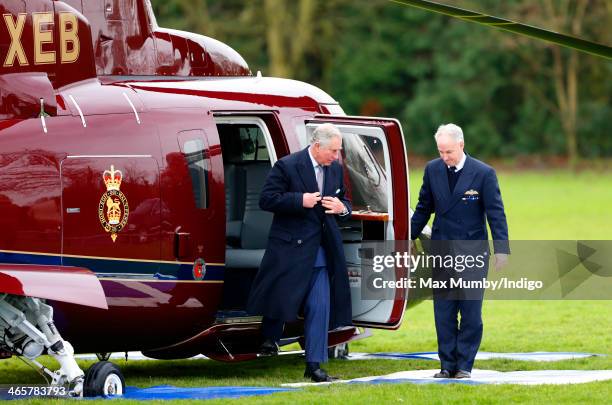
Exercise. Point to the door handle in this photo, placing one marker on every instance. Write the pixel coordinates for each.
(182, 244)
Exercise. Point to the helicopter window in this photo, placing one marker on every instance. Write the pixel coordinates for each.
(254, 144)
(243, 143)
(364, 159)
(196, 155)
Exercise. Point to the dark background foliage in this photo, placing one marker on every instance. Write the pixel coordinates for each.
(512, 95)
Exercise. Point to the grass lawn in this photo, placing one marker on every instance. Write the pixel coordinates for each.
(550, 205)
(510, 326)
(540, 205)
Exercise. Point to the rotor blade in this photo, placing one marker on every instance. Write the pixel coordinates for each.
(560, 39)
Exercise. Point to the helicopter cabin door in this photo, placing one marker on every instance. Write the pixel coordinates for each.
(376, 178)
(111, 213)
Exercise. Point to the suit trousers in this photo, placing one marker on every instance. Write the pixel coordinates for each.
(458, 343)
(316, 318)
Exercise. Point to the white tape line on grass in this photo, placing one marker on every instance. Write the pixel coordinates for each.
(535, 377)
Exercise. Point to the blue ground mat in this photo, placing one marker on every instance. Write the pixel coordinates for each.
(167, 392)
(530, 356)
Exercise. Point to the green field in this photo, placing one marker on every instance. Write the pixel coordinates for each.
(551, 205)
(540, 205)
(509, 327)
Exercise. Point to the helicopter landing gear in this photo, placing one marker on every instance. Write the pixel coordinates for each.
(340, 351)
(27, 330)
(103, 379)
(103, 356)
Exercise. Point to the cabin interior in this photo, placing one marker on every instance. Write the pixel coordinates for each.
(247, 161)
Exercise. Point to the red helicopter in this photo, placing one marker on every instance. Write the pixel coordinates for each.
(131, 162)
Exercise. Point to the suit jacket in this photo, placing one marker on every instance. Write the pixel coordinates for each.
(462, 214)
(281, 283)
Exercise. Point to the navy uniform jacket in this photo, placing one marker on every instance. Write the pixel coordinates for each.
(463, 214)
(281, 283)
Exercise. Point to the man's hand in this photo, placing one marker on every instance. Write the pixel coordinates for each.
(501, 260)
(333, 205)
(309, 200)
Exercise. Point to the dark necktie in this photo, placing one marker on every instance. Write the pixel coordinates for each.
(452, 178)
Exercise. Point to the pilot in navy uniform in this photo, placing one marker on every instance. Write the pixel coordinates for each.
(464, 194)
(304, 269)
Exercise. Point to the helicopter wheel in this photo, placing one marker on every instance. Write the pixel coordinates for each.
(103, 379)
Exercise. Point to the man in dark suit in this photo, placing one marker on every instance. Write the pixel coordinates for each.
(303, 269)
(462, 192)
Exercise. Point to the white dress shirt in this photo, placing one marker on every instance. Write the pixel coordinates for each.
(459, 165)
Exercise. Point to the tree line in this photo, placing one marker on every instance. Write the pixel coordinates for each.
(512, 95)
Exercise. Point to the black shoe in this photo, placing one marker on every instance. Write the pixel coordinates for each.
(268, 348)
(463, 374)
(319, 375)
(443, 374)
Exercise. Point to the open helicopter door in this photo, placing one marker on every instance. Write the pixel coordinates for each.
(376, 178)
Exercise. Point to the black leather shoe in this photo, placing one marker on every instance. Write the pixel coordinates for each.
(443, 374)
(268, 348)
(463, 374)
(319, 375)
